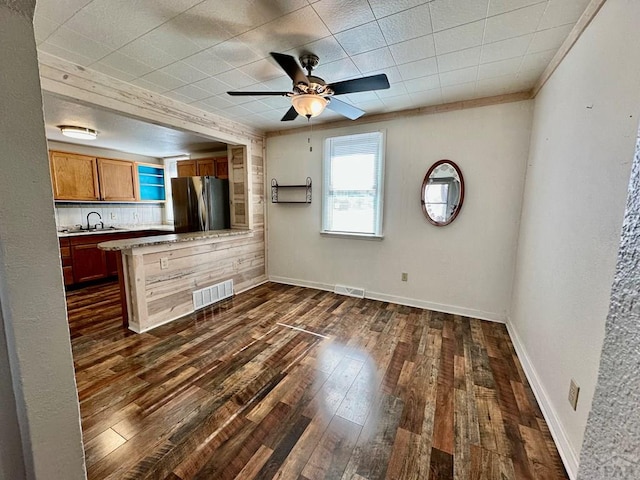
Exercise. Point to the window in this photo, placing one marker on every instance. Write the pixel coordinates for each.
(353, 184)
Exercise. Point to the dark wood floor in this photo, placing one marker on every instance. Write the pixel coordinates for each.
(294, 383)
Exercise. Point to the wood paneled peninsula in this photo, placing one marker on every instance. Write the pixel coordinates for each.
(160, 273)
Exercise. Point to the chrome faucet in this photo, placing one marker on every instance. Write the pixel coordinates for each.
(96, 225)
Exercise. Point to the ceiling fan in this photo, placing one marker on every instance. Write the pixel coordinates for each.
(311, 94)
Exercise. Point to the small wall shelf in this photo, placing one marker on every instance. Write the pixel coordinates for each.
(297, 191)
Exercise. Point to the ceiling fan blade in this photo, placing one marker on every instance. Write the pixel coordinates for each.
(290, 115)
(239, 94)
(291, 67)
(365, 84)
(345, 109)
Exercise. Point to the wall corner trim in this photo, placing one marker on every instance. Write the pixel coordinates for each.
(566, 450)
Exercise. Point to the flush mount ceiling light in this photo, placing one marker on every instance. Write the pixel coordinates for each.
(81, 133)
(309, 105)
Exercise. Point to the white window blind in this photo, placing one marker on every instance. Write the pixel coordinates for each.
(352, 193)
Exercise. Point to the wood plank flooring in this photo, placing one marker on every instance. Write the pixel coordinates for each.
(294, 383)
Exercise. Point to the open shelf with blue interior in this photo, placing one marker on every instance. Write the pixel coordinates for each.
(151, 182)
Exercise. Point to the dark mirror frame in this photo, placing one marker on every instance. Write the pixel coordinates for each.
(424, 187)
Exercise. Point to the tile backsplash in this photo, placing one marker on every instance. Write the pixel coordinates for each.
(68, 215)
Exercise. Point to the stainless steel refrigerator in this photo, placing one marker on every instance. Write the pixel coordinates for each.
(200, 203)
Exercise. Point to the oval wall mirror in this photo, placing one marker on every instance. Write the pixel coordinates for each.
(442, 193)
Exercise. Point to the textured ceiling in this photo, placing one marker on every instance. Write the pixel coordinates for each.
(194, 51)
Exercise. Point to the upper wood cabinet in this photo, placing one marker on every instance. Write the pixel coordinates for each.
(74, 177)
(117, 180)
(214, 167)
(187, 168)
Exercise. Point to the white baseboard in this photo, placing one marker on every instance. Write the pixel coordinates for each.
(410, 302)
(566, 450)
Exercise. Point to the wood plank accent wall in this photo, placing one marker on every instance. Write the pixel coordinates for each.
(156, 296)
(237, 186)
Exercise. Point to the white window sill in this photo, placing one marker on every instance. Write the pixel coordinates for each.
(360, 236)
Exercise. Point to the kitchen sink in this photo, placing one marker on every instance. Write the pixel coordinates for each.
(81, 229)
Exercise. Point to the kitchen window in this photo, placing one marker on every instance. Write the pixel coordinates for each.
(353, 177)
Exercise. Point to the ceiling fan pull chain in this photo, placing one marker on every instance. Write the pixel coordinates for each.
(310, 134)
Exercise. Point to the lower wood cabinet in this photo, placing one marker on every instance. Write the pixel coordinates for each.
(83, 261)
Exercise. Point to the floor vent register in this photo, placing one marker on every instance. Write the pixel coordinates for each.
(212, 294)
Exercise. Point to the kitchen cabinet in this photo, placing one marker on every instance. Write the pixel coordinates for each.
(214, 166)
(187, 168)
(117, 180)
(89, 262)
(150, 182)
(74, 177)
(67, 264)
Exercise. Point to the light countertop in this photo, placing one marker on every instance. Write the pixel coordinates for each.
(171, 238)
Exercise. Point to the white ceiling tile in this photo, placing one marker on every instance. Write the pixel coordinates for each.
(126, 64)
(427, 97)
(421, 68)
(79, 44)
(373, 60)
(460, 59)
(183, 72)
(549, 39)
(383, 8)
(192, 92)
(43, 27)
(234, 53)
(180, 97)
(372, 106)
(360, 97)
(537, 61)
(459, 38)
(167, 82)
(328, 49)
(392, 73)
(279, 103)
(214, 86)
(401, 102)
(60, 10)
(489, 87)
(423, 83)
(143, 49)
(70, 56)
(561, 12)
(237, 110)
(337, 71)
(499, 68)
(257, 106)
(169, 38)
(341, 15)
(112, 72)
(262, 70)
(206, 61)
(395, 90)
(236, 78)
(510, 48)
(457, 93)
(279, 84)
(412, 50)
(361, 39)
(406, 25)
(290, 31)
(217, 102)
(456, 77)
(147, 85)
(447, 13)
(496, 7)
(514, 24)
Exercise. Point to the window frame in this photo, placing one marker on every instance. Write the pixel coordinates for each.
(379, 190)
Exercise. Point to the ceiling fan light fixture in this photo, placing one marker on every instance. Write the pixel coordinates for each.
(81, 133)
(309, 105)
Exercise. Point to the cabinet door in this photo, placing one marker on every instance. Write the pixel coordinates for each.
(89, 263)
(117, 180)
(222, 168)
(206, 167)
(187, 168)
(112, 262)
(74, 177)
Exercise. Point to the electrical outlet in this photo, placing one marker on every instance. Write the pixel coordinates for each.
(112, 216)
(405, 277)
(135, 215)
(164, 263)
(574, 391)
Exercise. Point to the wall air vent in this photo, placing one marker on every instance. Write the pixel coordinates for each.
(349, 291)
(212, 294)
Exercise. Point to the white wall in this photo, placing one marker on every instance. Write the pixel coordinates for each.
(466, 267)
(582, 145)
(35, 327)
